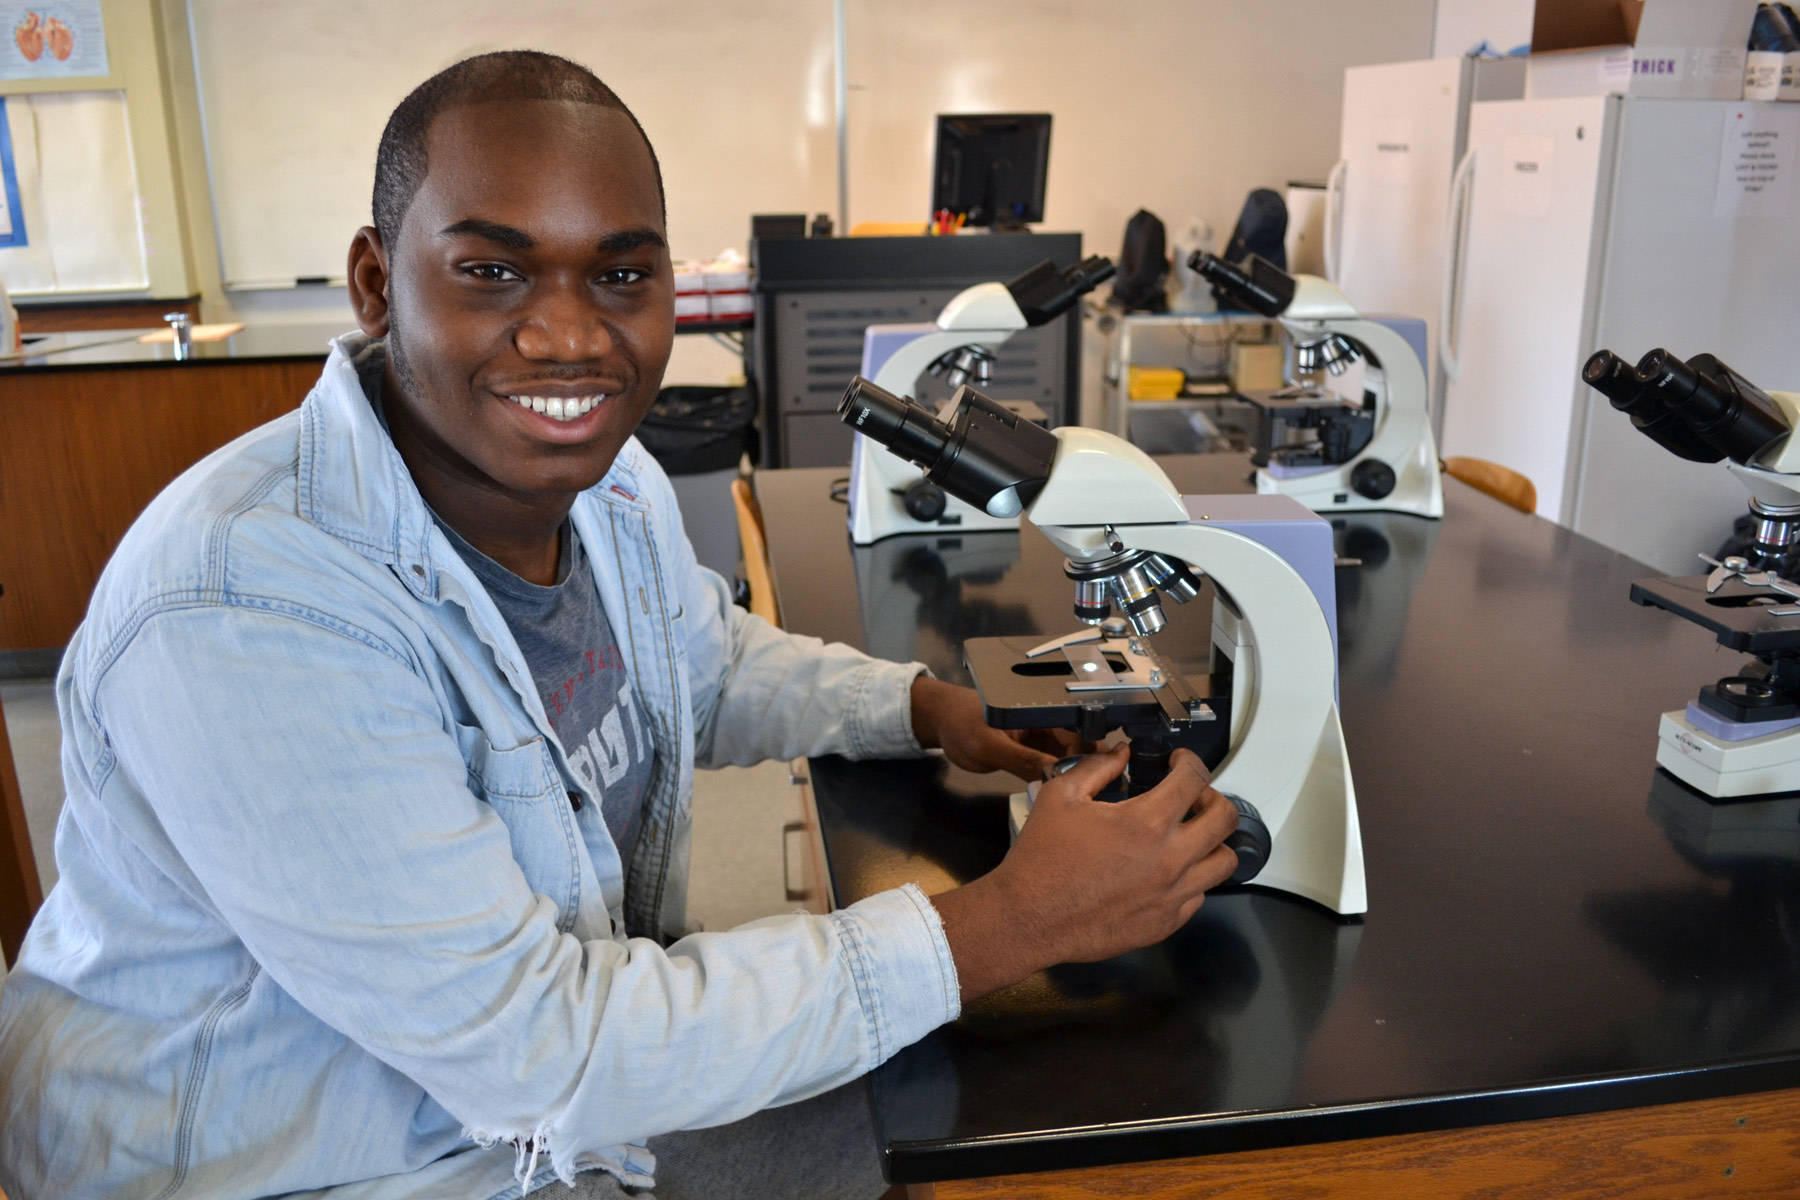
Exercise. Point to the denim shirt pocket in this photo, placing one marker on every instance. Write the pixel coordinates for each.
(523, 788)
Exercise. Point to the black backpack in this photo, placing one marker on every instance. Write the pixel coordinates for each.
(1262, 231)
(1140, 285)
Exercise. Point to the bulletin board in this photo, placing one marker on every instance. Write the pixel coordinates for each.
(1181, 106)
(86, 159)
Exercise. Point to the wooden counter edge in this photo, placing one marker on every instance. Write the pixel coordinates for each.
(1734, 1146)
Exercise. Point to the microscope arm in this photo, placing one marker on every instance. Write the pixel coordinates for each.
(1287, 749)
(1404, 433)
(985, 315)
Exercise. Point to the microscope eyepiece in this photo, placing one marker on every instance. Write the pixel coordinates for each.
(907, 428)
(986, 455)
(1617, 380)
(1256, 283)
(1721, 407)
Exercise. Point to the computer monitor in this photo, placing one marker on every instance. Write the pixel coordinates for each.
(991, 167)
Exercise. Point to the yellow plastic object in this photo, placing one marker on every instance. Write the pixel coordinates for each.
(888, 229)
(1155, 383)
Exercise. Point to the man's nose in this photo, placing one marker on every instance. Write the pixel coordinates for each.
(564, 324)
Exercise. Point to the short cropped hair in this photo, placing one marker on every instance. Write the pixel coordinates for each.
(503, 75)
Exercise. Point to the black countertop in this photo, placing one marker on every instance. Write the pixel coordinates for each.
(1554, 925)
(113, 348)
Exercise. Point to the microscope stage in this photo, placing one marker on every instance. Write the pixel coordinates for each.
(1737, 613)
(1032, 693)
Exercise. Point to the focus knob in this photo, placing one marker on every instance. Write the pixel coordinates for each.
(1372, 479)
(1251, 843)
(923, 500)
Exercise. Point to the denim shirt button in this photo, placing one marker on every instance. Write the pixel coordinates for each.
(575, 801)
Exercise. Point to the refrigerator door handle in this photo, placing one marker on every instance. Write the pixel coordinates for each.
(1457, 230)
(1334, 218)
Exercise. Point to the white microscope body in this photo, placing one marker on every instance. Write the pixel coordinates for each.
(883, 485)
(1129, 536)
(1397, 469)
(1286, 752)
(889, 495)
(1741, 735)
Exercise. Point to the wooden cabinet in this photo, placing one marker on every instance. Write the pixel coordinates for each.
(83, 451)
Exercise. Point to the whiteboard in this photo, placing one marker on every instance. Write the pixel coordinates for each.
(1180, 106)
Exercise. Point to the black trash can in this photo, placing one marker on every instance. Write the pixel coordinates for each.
(699, 435)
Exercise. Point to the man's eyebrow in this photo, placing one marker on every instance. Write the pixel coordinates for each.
(493, 231)
(630, 239)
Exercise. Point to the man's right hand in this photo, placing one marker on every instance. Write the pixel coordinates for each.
(1088, 879)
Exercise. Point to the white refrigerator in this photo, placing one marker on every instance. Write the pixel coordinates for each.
(1606, 221)
(1403, 132)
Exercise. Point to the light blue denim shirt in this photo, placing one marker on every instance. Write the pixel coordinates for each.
(327, 921)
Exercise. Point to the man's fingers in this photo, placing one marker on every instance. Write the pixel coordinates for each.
(1209, 872)
(1091, 775)
(1180, 791)
(1022, 760)
(1189, 758)
(1215, 819)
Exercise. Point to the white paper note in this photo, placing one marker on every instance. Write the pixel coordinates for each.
(1394, 152)
(1527, 171)
(1756, 161)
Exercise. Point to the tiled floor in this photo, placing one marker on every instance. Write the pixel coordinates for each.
(738, 815)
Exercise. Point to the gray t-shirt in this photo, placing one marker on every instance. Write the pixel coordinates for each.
(580, 674)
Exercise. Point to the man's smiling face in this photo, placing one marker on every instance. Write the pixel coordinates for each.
(528, 304)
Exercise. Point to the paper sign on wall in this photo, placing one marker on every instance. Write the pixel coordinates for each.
(1756, 161)
(1527, 168)
(63, 40)
(1393, 158)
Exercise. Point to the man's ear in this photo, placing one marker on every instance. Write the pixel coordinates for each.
(368, 281)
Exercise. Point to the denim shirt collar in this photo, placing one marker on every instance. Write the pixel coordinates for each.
(354, 485)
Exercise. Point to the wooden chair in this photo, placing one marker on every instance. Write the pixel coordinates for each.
(21, 892)
(1502, 483)
(756, 552)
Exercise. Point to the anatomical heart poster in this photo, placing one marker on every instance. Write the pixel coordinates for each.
(52, 41)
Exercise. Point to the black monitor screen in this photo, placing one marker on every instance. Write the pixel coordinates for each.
(991, 168)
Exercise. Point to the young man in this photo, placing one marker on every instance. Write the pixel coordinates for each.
(379, 737)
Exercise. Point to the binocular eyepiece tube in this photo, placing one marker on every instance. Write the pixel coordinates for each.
(985, 455)
(1699, 410)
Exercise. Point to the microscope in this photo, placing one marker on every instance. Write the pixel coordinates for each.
(1265, 715)
(1331, 452)
(887, 495)
(1741, 735)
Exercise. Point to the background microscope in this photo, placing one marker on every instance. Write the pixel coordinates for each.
(1741, 735)
(1335, 452)
(889, 495)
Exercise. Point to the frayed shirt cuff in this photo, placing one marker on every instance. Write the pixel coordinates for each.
(905, 978)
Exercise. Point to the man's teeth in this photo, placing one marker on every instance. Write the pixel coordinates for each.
(557, 407)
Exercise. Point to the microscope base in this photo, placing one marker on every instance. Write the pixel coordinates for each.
(1419, 491)
(1726, 770)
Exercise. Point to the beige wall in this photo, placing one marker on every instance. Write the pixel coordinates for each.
(1180, 106)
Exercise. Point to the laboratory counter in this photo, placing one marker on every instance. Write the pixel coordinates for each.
(1576, 977)
(97, 423)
